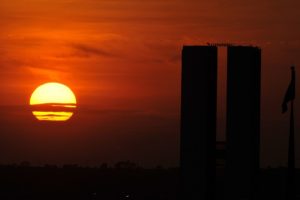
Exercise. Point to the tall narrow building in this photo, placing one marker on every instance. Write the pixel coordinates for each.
(243, 121)
(198, 122)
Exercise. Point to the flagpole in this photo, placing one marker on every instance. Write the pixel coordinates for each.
(291, 189)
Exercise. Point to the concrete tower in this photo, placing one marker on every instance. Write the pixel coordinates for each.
(243, 121)
(198, 122)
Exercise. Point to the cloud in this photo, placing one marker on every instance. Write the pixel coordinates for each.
(84, 50)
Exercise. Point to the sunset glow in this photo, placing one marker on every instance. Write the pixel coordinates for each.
(122, 61)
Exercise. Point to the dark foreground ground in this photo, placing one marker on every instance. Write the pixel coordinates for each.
(121, 183)
(74, 183)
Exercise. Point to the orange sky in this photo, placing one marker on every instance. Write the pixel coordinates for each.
(125, 55)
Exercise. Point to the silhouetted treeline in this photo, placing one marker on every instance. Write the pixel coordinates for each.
(119, 165)
(123, 180)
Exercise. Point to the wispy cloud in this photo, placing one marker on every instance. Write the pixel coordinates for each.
(88, 50)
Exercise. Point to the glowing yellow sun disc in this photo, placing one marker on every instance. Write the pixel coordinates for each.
(53, 102)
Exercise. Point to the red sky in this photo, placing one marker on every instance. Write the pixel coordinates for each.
(122, 59)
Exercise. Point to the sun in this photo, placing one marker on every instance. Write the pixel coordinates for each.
(53, 102)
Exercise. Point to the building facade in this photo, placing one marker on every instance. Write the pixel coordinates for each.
(198, 122)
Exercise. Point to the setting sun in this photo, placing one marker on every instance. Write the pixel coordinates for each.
(53, 102)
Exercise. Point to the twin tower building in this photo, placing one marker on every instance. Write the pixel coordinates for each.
(198, 122)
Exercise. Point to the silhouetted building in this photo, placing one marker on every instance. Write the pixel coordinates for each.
(198, 122)
(243, 121)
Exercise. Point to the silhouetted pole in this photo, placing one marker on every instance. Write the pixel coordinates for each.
(291, 159)
(290, 96)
